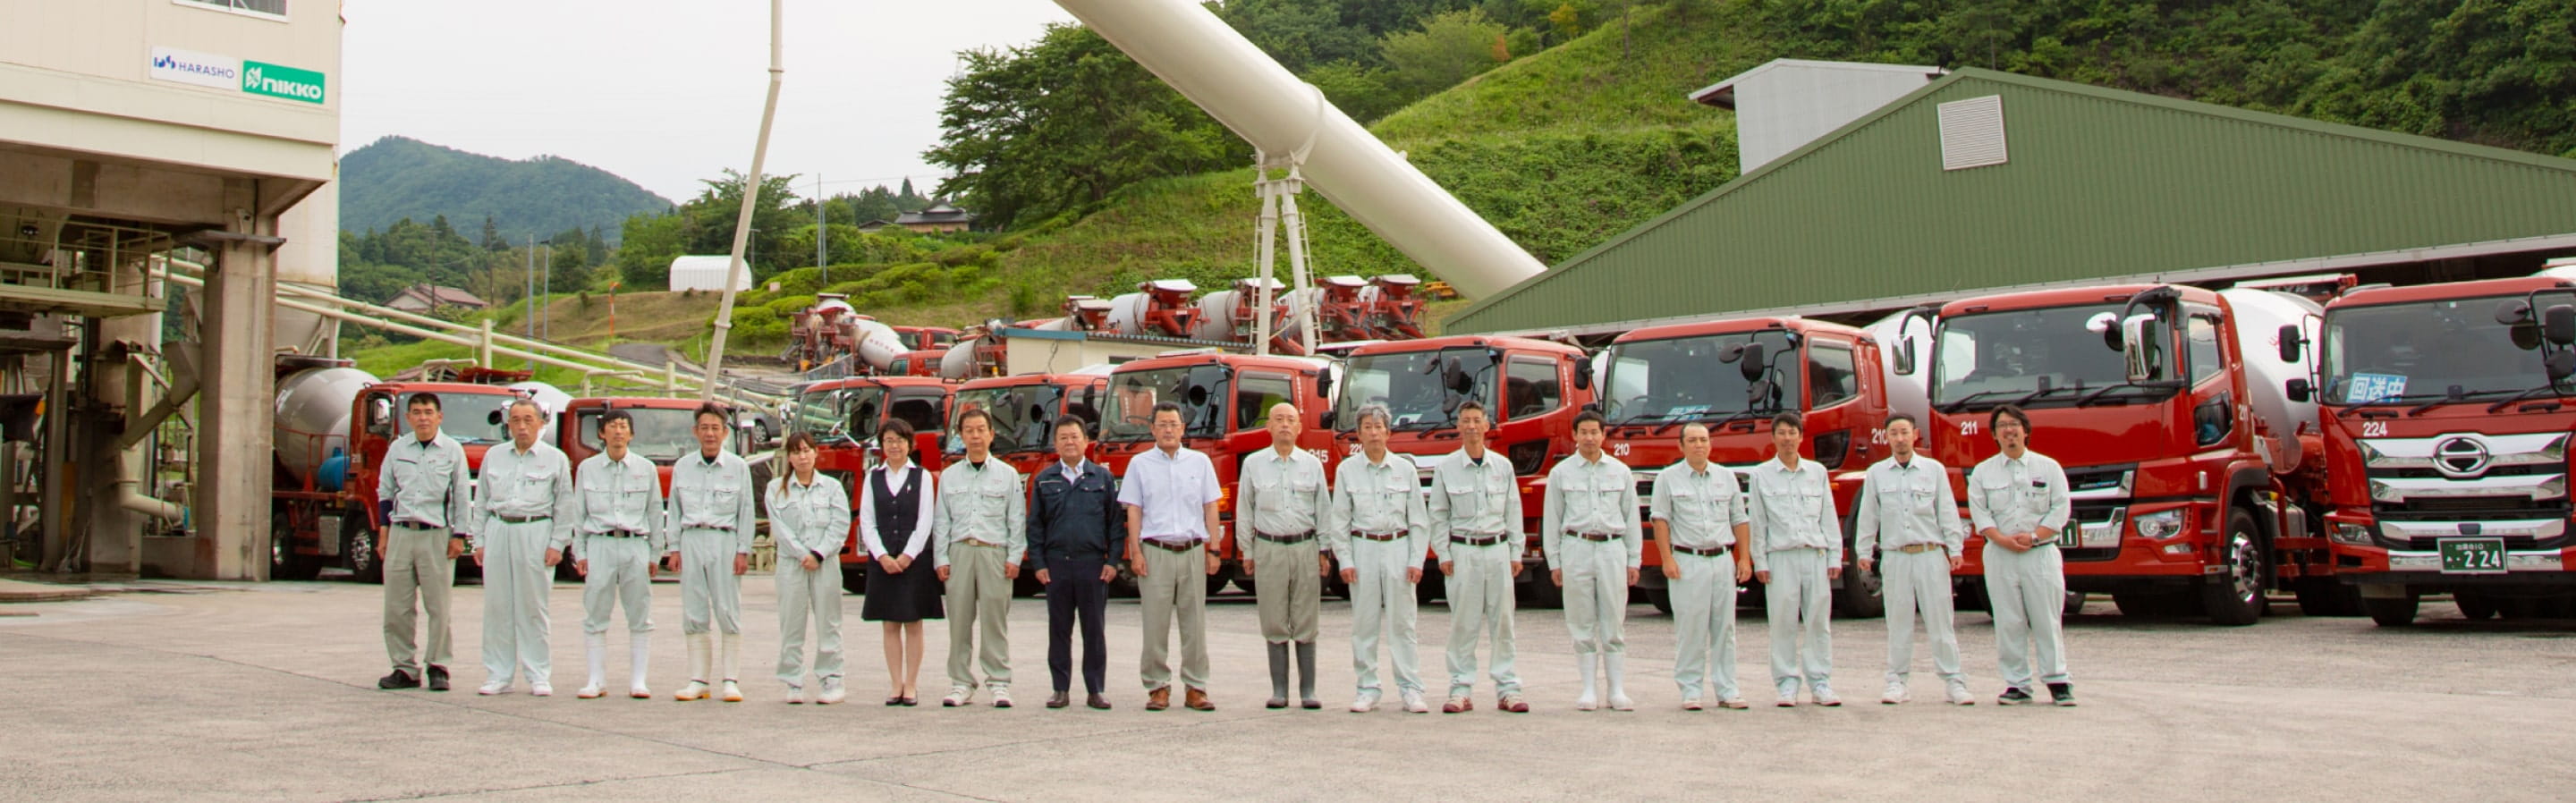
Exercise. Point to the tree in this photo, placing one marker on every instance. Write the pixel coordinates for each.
(1358, 91)
(708, 222)
(492, 235)
(1038, 131)
(645, 247)
(1449, 48)
(569, 268)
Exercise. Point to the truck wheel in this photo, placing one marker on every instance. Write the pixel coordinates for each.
(1541, 592)
(283, 562)
(2235, 598)
(2476, 607)
(2139, 606)
(1860, 594)
(1216, 582)
(1661, 598)
(2074, 604)
(854, 578)
(2390, 612)
(1242, 580)
(1972, 596)
(358, 547)
(2322, 596)
(1434, 585)
(1026, 585)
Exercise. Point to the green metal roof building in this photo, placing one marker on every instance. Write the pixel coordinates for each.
(1982, 181)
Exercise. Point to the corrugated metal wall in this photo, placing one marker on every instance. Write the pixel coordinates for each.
(2100, 183)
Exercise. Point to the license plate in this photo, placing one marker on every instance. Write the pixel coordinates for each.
(2473, 556)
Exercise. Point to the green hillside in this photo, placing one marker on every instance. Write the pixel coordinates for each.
(397, 177)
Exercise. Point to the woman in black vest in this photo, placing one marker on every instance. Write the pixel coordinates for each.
(894, 524)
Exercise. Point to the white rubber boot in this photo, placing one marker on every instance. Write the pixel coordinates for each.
(639, 655)
(700, 652)
(594, 646)
(732, 691)
(1587, 667)
(1618, 671)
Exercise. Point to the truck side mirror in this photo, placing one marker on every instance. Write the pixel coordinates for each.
(1904, 356)
(2558, 324)
(2138, 348)
(1324, 383)
(2107, 323)
(1583, 373)
(1749, 361)
(2291, 340)
(2561, 366)
(2297, 390)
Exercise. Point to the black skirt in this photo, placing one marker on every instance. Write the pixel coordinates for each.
(911, 596)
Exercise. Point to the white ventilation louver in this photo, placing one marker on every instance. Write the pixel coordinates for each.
(1972, 132)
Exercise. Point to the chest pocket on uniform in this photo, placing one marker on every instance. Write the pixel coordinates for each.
(1794, 497)
(1998, 493)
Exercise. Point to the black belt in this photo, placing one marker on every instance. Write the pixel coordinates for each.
(1595, 536)
(1476, 540)
(521, 519)
(1708, 552)
(417, 525)
(704, 527)
(1299, 538)
(619, 534)
(1183, 546)
(1380, 536)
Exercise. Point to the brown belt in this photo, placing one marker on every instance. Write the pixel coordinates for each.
(1299, 538)
(1595, 536)
(520, 519)
(978, 542)
(1380, 536)
(1183, 546)
(1917, 549)
(1705, 552)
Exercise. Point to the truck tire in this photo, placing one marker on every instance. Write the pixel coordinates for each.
(358, 548)
(283, 562)
(1026, 585)
(2235, 597)
(2322, 596)
(854, 578)
(1542, 593)
(1661, 598)
(1216, 582)
(2074, 604)
(1861, 593)
(2139, 606)
(2391, 612)
(1434, 585)
(2476, 607)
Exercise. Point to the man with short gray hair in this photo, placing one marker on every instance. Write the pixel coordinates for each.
(525, 498)
(1906, 509)
(1376, 529)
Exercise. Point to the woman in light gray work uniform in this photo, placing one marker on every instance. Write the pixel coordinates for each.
(809, 520)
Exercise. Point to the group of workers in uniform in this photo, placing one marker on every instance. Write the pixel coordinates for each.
(1071, 523)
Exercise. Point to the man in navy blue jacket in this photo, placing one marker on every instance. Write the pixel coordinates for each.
(1074, 511)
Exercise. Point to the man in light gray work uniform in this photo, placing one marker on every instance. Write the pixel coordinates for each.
(1475, 510)
(526, 499)
(2017, 501)
(1797, 554)
(710, 512)
(977, 544)
(618, 515)
(1282, 497)
(1907, 500)
(1170, 493)
(1699, 520)
(425, 500)
(1377, 528)
(1588, 530)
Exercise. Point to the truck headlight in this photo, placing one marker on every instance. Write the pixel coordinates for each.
(2355, 534)
(2161, 524)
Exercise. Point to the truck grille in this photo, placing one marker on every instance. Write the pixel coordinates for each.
(2512, 487)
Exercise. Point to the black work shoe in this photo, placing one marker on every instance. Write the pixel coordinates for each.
(437, 678)
(2013, 696)
(1097, 701)
(2063, 693)
(1059, 699)
(398, 680)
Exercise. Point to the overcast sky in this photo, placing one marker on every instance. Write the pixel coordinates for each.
(666, 92)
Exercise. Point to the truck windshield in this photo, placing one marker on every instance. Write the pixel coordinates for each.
(838, 416)
(470, 417)
(662, 434)
(2032, 356)
(1421, 389)
(2432, 350)
(1200, 390)
(1682, 380)
(1020, 416)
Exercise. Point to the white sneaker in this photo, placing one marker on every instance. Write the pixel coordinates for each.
(1788, 694)
(638, 691)
(1733, 703)
(1895, 693)
(795, 694)
(1825, 696)
(1366, 702)
(1414, 704)
(1959, 694)
(494, 687)
(957, 696)
(832, 692)
(696, 690)
(1690, 704)
(1001, 695)
(541, 689)
(590, 692)
(732, 692)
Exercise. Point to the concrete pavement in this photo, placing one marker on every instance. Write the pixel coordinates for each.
(266, 692)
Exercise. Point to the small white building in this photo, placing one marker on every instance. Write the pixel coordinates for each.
(705, 273)
(1786, 103)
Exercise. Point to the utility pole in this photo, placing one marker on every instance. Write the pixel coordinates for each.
(546, 329)
(822, 233)
(530, 300)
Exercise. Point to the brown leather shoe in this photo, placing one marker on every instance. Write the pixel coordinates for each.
(1197, 700)
(1159, 699)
